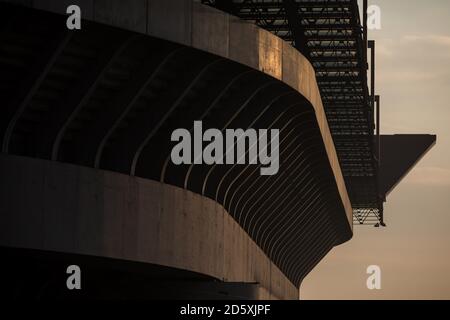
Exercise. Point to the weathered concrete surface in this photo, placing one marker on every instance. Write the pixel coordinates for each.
(60, 6)
(123, 14)
(191, 23)
(179, 20)
(53, 206)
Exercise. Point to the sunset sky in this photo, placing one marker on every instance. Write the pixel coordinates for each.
(413, 79)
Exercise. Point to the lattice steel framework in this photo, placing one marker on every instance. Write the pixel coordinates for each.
(330, 34)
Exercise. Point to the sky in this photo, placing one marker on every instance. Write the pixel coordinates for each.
(413, 252)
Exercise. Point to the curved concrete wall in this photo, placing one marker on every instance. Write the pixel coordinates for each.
(295, 223)
(60, 207)
(190, 23)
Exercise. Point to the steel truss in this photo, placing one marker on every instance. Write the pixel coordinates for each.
(330, 34)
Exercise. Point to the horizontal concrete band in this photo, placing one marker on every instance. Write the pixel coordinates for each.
(190, 23)
(109, 99)
(52, 206)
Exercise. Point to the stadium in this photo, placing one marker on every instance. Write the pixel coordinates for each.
(86, 171)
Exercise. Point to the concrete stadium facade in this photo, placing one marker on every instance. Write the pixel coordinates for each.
(88, 188)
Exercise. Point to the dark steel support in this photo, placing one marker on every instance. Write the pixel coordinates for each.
(381, 197)
(366, 45)
(225, 5)
(371, 46)
(375, 110)
(365, 32)
(377, 104)
(295, 24)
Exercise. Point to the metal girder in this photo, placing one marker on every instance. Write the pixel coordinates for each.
(295, 25)
(331, 35)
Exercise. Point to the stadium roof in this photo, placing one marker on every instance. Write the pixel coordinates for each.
(330, 34)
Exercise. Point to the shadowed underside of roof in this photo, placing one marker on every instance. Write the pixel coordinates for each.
(399, 154)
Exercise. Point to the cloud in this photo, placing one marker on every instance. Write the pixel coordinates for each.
(430, 176)
(414, 59)
(412, 76)
(384, 49)
(431, 39)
